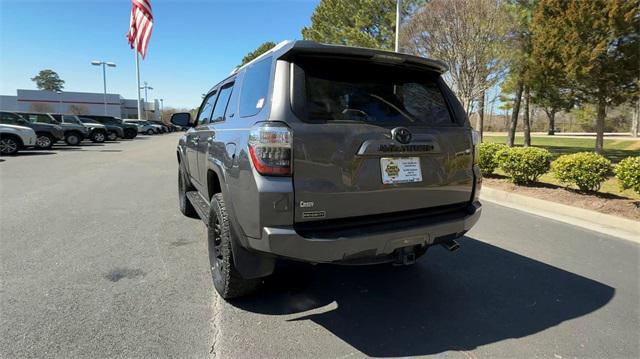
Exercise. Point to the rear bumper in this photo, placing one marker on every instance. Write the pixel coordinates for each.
(286, 242)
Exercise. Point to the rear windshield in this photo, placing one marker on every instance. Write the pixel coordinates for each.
(339, 90)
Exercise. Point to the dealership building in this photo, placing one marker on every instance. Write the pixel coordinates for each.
(85, 103)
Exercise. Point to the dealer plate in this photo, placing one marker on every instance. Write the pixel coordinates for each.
(400, 170)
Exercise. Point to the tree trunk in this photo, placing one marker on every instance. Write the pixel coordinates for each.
(551, 115)
(526, 120)
(481, 115)
(601, 114)
(514, 116)
(635, 122)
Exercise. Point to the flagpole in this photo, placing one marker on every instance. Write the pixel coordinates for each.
(135, 50)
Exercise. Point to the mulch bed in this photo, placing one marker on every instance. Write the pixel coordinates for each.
(600, 202)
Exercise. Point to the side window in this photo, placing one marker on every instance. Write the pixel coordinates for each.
(221, 104)
(207, 107)
(255, 88)
(8, 118)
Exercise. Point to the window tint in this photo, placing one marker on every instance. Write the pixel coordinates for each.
(255, 88)
(337, 90)
(221, 104)
(205, 110)
(9, 118)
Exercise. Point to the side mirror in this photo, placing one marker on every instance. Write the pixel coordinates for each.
(181, 119)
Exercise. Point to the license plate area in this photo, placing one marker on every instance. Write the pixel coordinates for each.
(400, 170)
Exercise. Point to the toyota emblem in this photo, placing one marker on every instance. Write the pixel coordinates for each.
(401, 135)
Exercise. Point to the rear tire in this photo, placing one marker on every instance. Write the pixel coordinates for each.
(183, 187)
(9, 145)
(112, 136)
(72, 139)
(228, 282)
(98, 137)
(129, 133)
(44, 141)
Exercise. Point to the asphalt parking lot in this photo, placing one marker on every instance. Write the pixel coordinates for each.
(97, 261)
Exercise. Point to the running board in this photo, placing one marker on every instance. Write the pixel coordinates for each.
(200, 204)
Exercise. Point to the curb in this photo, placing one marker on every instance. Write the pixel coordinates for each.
(604, 223)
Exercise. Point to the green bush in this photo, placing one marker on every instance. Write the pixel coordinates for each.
(523, 164)
(487, 159)
(586, 170)
(628, 173)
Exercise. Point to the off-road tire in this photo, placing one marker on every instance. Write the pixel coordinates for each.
(44, 141)
(98, 137)
(183, 187)
(9, 145)
(112, 136)
(72, 138)
(226, 278)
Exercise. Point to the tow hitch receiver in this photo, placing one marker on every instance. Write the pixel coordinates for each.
(406, 256)
(451, 245)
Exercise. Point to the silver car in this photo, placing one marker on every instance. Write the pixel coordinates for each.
(144, 127)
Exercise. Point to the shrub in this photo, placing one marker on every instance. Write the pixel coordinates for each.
(628, 173)
(523, 164)
(586, 170)
(487, 159)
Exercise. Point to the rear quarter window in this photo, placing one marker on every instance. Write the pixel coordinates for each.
(255, 88)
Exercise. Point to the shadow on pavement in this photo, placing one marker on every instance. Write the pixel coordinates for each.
(34, 153)
(450, 301)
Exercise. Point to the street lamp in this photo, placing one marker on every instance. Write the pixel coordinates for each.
(161, 109)
(145, 87)
(59, 101)
(104, 78)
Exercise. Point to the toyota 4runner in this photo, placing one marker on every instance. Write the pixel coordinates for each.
(327, 154)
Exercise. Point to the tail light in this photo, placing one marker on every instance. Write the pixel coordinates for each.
(475, 140)
(270, 149)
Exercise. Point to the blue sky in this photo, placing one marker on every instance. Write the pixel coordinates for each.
(194, 43)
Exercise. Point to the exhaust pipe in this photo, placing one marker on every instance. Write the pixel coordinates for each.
(451, 245)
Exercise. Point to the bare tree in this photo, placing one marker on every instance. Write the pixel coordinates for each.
(469, 36)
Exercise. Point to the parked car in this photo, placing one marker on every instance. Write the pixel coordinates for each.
(73, 133)
(97, 131)
(144, 127)
(47, 134)
(15, 138)
(302, 154)
(163, 128)
(129, 131)
(113, 132)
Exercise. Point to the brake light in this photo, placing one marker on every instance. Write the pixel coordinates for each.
(270, 149)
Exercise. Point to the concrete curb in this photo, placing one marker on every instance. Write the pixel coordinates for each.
(604, 223)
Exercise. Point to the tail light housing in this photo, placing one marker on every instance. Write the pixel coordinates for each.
(270, 149)
(475, 140)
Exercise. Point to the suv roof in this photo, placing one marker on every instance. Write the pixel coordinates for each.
(288, 49)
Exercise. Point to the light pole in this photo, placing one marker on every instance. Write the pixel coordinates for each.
(398, 18)
(59, 101)
(144, 108)
(161, 109)
(104, 78)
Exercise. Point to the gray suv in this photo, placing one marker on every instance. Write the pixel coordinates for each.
(327, 154)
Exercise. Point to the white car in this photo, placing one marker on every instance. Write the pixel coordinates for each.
(144, 127)
(14, 138)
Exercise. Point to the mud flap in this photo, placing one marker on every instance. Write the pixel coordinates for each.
(251, 265)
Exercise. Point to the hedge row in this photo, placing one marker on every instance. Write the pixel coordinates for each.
(584, 170)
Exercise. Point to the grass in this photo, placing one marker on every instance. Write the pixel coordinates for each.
(614, 149)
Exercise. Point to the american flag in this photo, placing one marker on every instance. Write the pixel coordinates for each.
(141, 25)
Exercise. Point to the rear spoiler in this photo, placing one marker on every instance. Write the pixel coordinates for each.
(293, 49)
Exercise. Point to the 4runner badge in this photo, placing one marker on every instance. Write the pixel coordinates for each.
(392, 169)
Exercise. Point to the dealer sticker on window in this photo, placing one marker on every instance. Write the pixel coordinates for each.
(400, 170)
